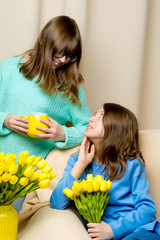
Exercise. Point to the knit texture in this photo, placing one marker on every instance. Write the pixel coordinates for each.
(21, 96)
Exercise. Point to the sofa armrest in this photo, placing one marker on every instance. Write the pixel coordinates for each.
(57, 158)
(48, 223)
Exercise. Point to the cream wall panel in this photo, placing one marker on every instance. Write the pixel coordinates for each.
(77, 10)
(19, 21)
(49, 9)
(114, 52)
(150, 103)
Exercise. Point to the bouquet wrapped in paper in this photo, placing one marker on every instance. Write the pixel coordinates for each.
(29, 174)
(90, 197)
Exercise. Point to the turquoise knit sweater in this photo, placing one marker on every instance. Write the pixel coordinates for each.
(21, 96)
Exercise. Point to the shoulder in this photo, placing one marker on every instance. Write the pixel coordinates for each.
(135, 166)
(10, 62)
(81, 93)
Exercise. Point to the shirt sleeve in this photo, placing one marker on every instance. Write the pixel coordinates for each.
(3, 114)
(79, 117)
(58, 199)
(144, 210)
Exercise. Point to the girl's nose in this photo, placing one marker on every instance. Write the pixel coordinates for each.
(91, 119)
(63, 59)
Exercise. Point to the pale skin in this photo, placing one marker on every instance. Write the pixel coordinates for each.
(102, 230)
(55, 132)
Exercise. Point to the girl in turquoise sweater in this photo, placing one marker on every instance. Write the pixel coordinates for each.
(110, 148)
(44, 79)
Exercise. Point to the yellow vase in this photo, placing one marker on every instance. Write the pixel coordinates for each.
(8, 223)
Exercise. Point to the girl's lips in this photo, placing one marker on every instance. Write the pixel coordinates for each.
(89, 127)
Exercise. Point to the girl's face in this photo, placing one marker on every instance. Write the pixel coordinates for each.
(59, 60)
(95, 129)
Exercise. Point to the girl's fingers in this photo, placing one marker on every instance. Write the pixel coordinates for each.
(92, 225)
(92, 150)
(87, 146)
(21, 130)
(49, 124)
(20, 124)
(84, 140)
(22, 119)
(46, 130)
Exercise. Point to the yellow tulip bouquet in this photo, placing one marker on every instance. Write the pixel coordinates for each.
(90, 197)
(29, 174)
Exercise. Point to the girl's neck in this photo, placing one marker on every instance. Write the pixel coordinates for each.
(96, 157)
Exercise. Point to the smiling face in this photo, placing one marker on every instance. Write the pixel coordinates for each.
(95, 130)
(59, 61)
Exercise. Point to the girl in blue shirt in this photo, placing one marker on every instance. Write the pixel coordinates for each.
(110, 147)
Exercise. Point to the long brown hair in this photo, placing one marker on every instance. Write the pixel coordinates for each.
(59, 34)
(120, 141)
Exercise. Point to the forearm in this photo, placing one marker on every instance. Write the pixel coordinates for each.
(58, 199)
(78, 168)
(130, 222)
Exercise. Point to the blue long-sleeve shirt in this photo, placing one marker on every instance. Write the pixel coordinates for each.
(130, 207)
(21, 96)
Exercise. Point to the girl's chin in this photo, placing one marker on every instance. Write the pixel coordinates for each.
(88, 137)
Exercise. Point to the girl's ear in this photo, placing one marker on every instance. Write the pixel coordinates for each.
(41, 38)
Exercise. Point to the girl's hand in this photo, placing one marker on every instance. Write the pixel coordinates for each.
(55, 132)
(86, 155)
(100, 231)
(16, 123)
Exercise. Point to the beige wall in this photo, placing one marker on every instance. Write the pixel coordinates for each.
(121, 49)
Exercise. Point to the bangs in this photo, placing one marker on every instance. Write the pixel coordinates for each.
(68, 39)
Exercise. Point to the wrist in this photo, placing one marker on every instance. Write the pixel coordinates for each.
(78, 168)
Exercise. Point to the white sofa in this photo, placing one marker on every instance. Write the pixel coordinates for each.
(37, 221)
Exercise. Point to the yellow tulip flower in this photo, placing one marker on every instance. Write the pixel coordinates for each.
(13, 168)
(34, 176)
(22, 157)
(44, 183)
(1, 156)
(1, 169)
(13, 180)
(0, 179)
(75, 192)
(6, 177)
(109, 184)
(41, 164)
(28, 171)
(69, 193)
(30, 159)
(6, 168)
(103, 186)
(24, 181)
(42, 176)
(47, 169)
(36, 160)
(100, 179)
(89, 187)
(90, 178)
(10, 158)
(51, 175)
(95, 185)
(84, 185)
(77, 186)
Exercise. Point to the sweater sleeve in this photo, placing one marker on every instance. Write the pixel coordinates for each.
(58, 199)
(144, 210)
(3, 114)
(79, 117)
